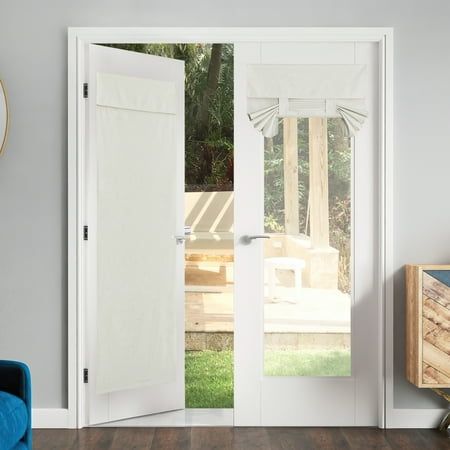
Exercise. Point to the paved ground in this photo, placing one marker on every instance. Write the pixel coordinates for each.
(316, 311)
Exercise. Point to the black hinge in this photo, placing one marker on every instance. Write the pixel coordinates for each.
(85, 375)
(85, 90)
(85, 232)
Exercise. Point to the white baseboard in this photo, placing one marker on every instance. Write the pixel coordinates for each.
(191, 417)
(50, 418)
(414, 418)
(395, 418)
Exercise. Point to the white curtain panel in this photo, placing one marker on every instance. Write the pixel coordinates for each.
(287, 90)
(136, 332)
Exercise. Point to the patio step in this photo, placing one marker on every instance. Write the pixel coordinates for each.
(317, 311)
(218, 341)
(216, 274)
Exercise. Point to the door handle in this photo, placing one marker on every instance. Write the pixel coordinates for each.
(179, 239)
(247, 239)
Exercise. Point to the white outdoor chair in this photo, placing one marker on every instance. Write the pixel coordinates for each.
(284, 263)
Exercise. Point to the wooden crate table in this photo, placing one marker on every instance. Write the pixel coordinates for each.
(428, 328)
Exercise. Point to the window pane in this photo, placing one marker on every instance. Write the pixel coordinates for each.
(307, 304)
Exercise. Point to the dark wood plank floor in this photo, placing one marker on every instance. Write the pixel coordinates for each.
(200, 438)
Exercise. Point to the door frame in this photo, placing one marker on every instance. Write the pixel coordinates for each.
(77, 40)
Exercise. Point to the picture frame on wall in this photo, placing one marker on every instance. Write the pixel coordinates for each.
(4, 117)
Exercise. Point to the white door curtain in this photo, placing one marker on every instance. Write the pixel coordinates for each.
(296, 90)
(135, 120)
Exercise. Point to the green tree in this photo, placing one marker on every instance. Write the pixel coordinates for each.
(339, 183)
(209, 110)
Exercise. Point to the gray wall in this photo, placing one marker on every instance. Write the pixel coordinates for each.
(33, 208)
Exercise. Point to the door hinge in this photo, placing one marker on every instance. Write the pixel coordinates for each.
(85, 375)
(85, 233)
(85, 90)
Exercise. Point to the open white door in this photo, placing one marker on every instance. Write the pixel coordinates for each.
(135, 207)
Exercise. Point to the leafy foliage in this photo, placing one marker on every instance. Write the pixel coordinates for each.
(209, 155)
(339, 178)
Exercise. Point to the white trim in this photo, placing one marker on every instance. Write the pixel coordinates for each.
(193, 417)
(386, 208)
(225, 34)
(78, 37)
(72, 244)
(415, 418)
(208, 289)
(50, 418)
(60, 418)
(389, 416)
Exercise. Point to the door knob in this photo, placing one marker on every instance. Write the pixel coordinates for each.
(247, 239)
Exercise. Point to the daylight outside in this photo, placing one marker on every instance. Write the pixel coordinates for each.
(307, 261)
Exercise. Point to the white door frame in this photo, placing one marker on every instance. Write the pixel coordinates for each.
(77, 40)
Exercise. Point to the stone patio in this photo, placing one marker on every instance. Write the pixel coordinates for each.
(318, 311)
(320, 319)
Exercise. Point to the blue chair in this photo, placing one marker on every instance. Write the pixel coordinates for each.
(15, 406)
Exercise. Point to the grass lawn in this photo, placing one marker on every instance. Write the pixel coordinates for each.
(319, 363)
(209, 379)
(209, 374)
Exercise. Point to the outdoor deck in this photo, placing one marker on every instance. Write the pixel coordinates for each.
(318, 318)
(318, 311)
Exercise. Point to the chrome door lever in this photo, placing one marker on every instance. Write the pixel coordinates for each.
(247, 239)
(182, 238)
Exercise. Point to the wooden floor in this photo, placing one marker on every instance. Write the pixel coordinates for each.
(239, 438)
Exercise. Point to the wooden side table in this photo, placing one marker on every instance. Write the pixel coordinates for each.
(428, 328)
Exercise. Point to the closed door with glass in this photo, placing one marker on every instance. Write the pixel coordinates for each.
(306, 227)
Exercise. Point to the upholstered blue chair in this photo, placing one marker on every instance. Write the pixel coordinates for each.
(15, 406)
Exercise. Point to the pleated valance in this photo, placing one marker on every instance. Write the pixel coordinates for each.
(138, 94)
(287, 90)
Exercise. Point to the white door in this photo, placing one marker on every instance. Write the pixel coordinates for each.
(134, 196)
(306, 300)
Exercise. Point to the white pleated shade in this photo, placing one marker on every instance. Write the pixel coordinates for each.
(353, 118)
(266, 120)
(277, 91)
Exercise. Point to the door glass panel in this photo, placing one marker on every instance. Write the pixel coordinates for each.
(307, 261)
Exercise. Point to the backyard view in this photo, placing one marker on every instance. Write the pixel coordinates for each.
(339, 173)
(307, 260)
(307, 214)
